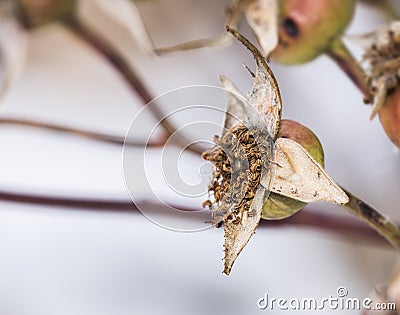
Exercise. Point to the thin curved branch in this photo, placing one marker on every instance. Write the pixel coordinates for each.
(340, 54)
(111, 139)
(131, 77)
(306, 219)
(379, 222)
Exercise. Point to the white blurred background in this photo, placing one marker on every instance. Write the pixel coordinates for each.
(62, 261)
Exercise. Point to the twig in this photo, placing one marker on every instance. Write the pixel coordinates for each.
(234, 16)
(380, 223)
(77, 132)
(307, 219)
(328, 223)
(131, 77)
(71, 203)
(339, 53)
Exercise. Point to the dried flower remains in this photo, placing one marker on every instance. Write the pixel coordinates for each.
(383, 57)
(250, 161)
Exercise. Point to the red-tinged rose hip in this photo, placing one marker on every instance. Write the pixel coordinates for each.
(389, 115)
(308, 27)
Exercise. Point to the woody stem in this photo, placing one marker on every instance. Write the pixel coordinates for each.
(306, 219)
(380, 223)
(340, 54)
(102, 137)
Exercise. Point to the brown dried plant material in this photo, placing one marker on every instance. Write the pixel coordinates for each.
(299, 176)
(244, 161)
(262, 16)
(383, 57)
(239, 160)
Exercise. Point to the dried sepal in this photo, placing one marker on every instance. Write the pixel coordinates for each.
(297, 175)
(262, 16)
(379, 97)
(124, 14)
(237, 235)
(265, 95)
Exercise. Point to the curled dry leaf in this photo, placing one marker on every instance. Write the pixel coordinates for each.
(244, 160)
(123, 13)
(13, 48)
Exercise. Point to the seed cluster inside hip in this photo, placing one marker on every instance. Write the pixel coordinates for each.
(237, 158)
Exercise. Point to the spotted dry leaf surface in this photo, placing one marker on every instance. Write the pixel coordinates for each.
(238, 235)
(297, 175)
